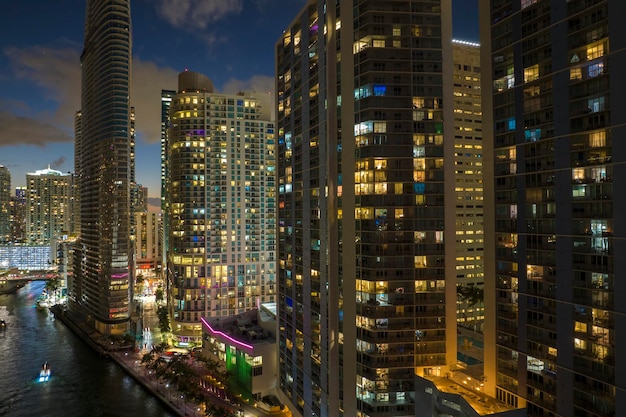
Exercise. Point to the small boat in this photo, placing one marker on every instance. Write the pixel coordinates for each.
(3, 325)
(44, 374)
(42, 304)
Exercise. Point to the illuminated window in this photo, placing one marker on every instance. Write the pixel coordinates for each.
(595, 104)
(527, 3)
(580, 327)
(578, 174)
(594, 52)
(379, 43)
(420, 262)
(418, 102)
(575, 74)
(595, 69)
(531, 73)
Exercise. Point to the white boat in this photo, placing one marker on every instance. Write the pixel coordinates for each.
(44, 374)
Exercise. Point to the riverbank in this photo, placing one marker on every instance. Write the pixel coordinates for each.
(130, 362)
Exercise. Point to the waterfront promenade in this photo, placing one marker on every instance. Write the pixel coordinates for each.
(130, 361)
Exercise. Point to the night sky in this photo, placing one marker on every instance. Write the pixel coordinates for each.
(230, 41)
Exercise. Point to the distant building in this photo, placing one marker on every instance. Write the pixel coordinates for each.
(48, 205)
(5, 205)
(27, 257)
(18, 215)
(220, 205)
(166, 101)
(468, 187)
(148, 240)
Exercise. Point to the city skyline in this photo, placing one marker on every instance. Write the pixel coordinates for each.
(40, 86)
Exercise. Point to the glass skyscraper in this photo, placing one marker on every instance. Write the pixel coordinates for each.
(366, 252)
(5, 204)
(554, 102)
(105, 170)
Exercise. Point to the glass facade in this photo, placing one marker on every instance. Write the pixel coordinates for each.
(362, 214)
(556, 113)
(105, 170)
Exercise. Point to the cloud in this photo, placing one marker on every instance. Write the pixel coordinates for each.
(20, 130)
(261, 85)
(57, 74)
(196, 14)
(145, 95)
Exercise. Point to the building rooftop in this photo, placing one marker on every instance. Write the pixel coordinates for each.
(246, 330)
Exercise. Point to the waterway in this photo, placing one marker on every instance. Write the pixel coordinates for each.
(82, 382)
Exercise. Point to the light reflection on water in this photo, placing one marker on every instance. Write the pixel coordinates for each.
(82, 383)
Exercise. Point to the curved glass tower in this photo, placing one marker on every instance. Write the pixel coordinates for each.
(105, 169)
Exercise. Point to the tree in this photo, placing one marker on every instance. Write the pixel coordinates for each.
(471, 295)
(52, 285)
(158, 294)
(164, 319)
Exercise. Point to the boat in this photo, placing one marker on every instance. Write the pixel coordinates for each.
(44, 374)
(3, 325)
(42, 304)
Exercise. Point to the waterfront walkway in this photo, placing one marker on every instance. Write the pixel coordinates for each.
(130, 361)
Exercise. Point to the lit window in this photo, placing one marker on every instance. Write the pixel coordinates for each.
(531, 73)
(575, 74)
(594, 52)
(595, 69)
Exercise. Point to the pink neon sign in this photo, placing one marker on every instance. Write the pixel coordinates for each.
(217, 332)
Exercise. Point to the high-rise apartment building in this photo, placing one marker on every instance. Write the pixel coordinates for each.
(166, 101)
(468, 186)
(220, 205)
(18, 215)
(103, 273)
(555, 97)
(77, 169)
(148, 240)
(48, 206)
(5, 205)
(367, 283)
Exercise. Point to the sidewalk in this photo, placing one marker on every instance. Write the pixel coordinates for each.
(130, 362)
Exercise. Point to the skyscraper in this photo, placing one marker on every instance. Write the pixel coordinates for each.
(48, 205)
(104, 144)
(366, 209)
(18, 215)
(555, 112)
(468, 186)
(5, 205)
(220, 205)
(166, 101)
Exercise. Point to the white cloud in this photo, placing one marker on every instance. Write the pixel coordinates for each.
(57, 73)
(196, 14)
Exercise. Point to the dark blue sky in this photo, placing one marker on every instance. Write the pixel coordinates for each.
(231, 41)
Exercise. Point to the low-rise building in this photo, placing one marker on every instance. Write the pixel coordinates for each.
(245, 346)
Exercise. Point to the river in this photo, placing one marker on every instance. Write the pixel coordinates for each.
(82, 383)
